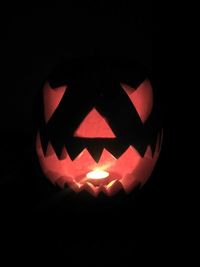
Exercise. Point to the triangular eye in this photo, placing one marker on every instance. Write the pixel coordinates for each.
(142, 98)
(52, 98)
(94, 126)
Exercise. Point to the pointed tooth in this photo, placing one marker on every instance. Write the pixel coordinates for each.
(90, 188)
(95, 151)
(113, 187)
(102, 188)
(63, 154)
(50, 151)
(75, 186)
(111, 183)
(57, 146)
(148, 153)
(116, 149)
(141, 148)
(73, 149)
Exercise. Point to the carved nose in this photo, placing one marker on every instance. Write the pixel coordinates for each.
(94, 126)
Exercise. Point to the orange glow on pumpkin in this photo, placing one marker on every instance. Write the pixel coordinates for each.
(129, 170)
(109, 174)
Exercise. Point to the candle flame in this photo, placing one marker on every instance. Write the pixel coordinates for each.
(97, 174)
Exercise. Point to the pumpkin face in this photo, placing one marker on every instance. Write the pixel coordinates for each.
(97, 127)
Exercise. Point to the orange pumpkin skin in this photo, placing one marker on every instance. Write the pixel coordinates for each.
(97, 168)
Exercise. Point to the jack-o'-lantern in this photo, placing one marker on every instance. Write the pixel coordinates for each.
(98, 127)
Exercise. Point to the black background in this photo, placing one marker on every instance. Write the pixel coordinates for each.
(39, 220)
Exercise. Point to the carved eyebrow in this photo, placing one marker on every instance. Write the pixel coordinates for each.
(141, 97)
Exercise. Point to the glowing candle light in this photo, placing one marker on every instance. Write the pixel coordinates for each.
(97, 174)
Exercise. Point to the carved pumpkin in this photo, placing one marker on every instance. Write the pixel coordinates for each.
(97, 127)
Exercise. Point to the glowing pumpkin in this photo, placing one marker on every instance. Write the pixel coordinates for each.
(97, 127)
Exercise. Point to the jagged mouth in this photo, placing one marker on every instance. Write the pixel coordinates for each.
(95, 146)
(125, 172)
